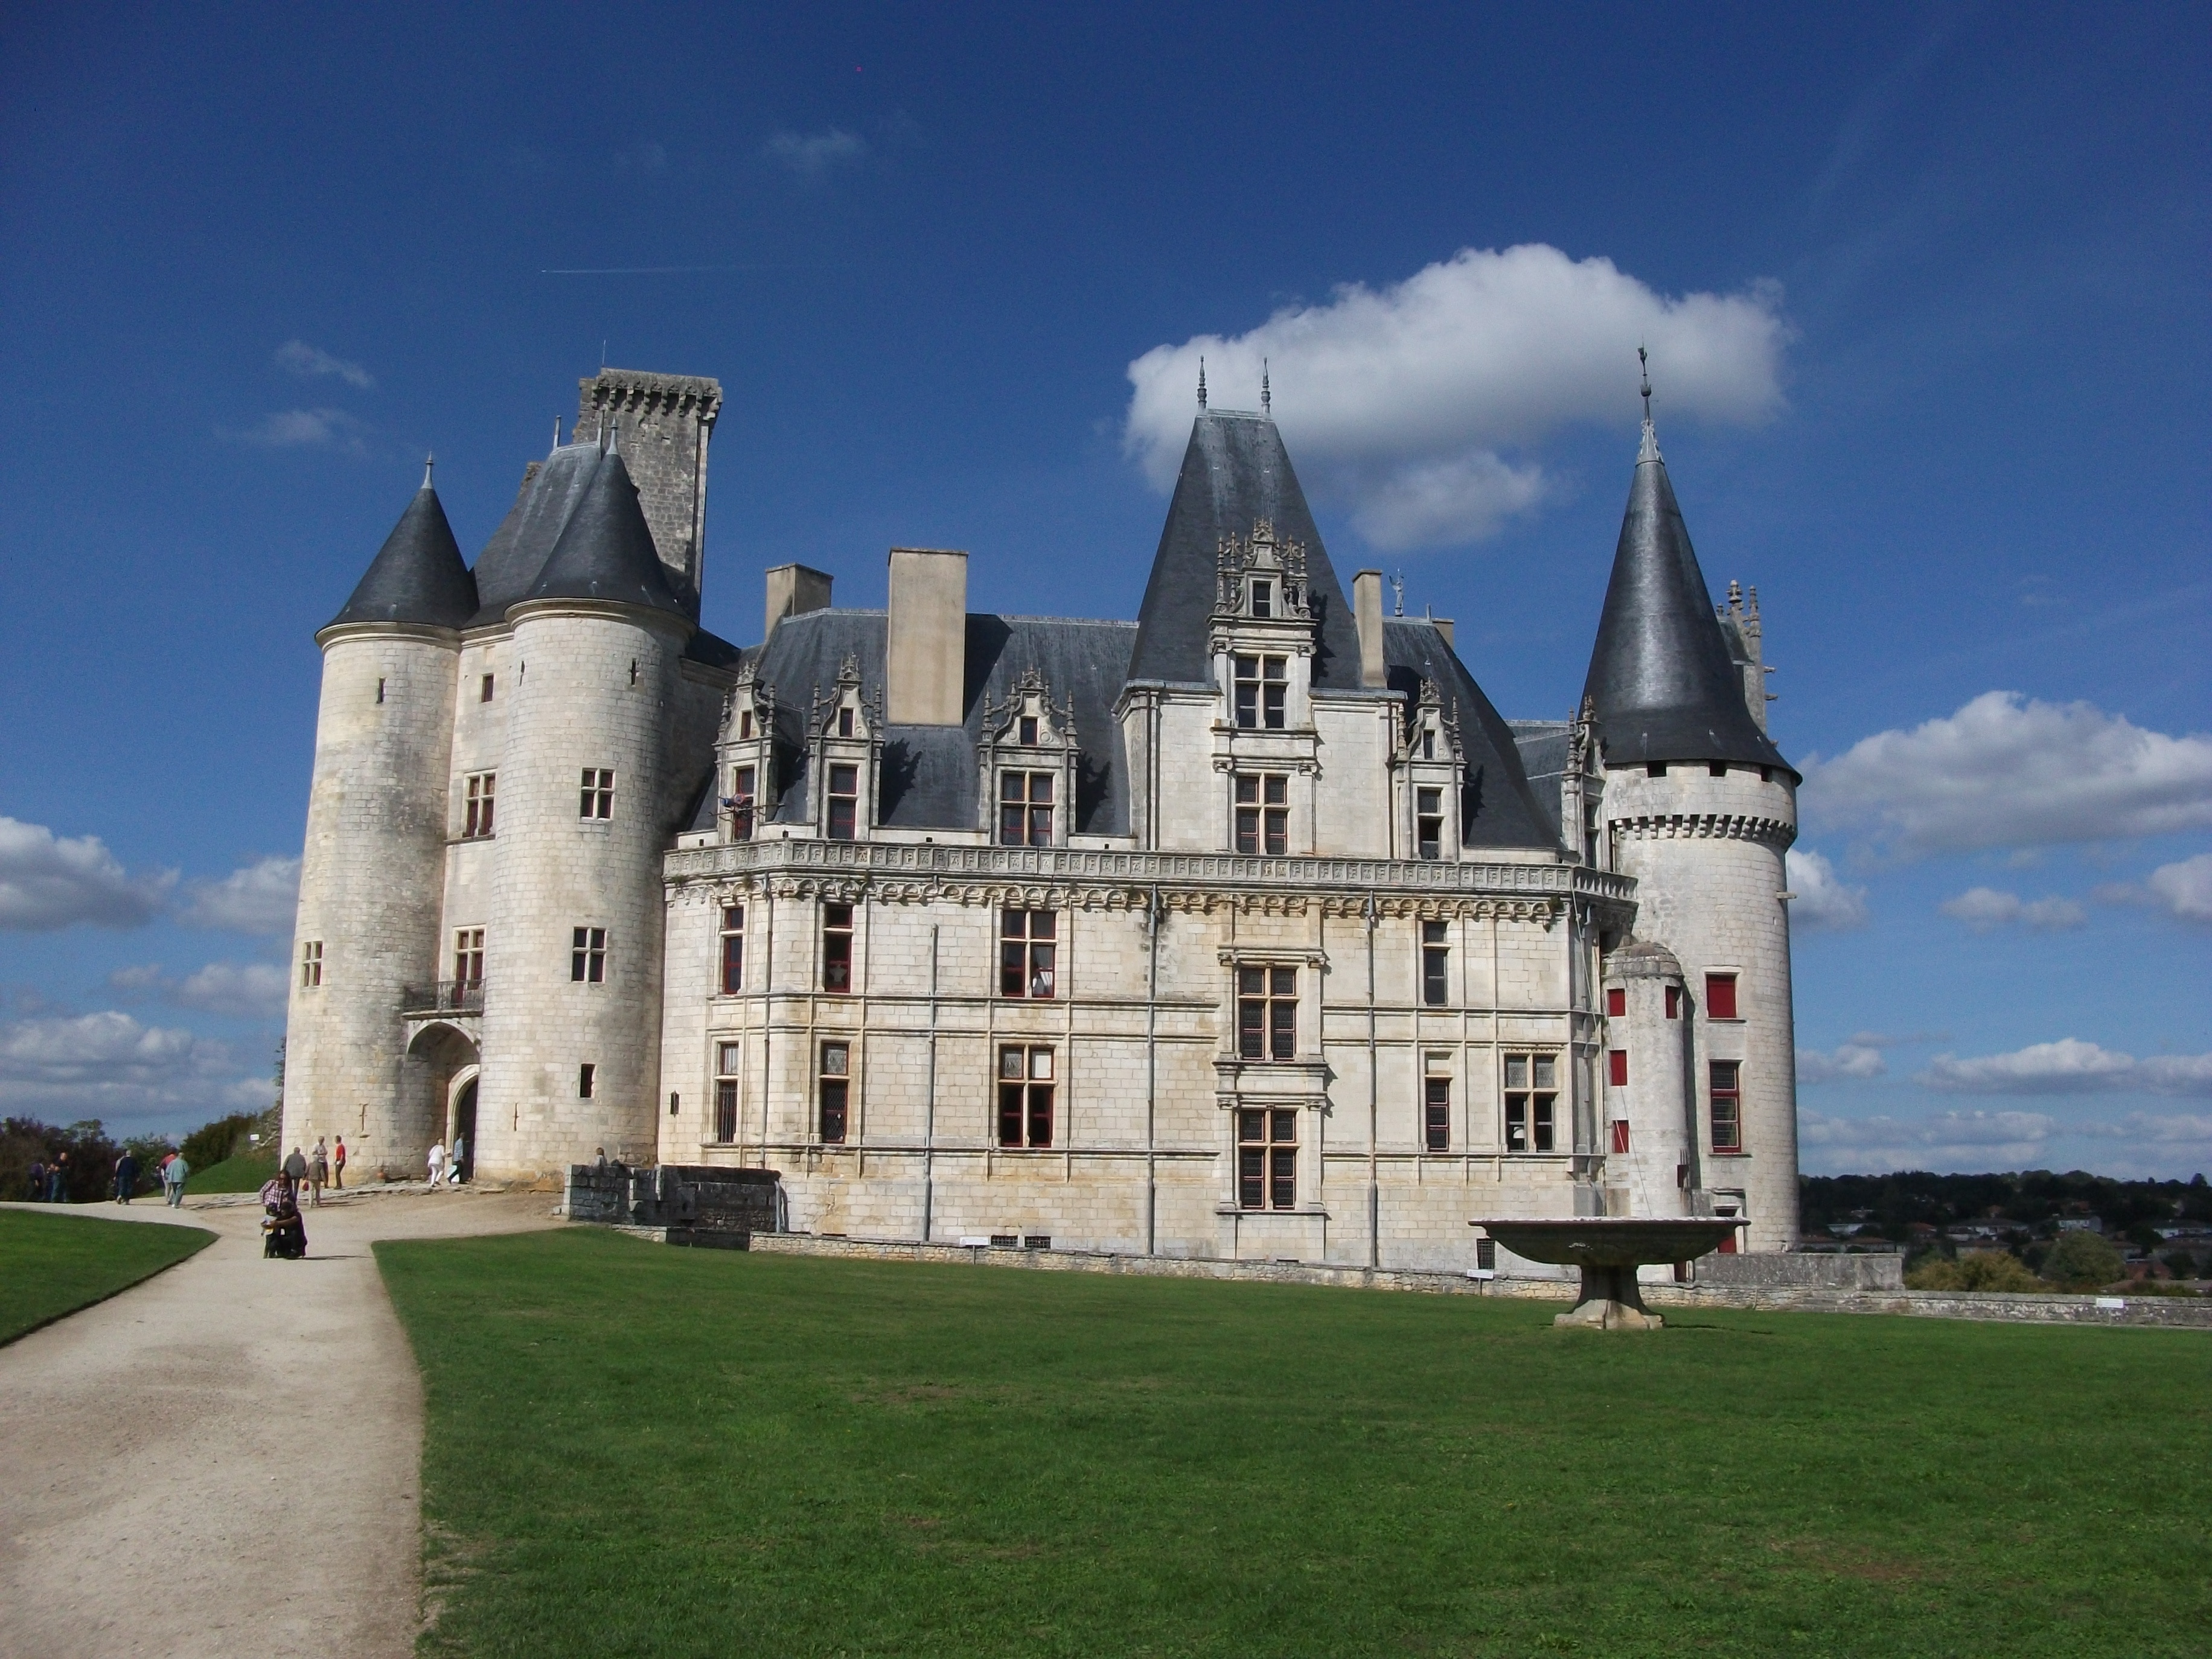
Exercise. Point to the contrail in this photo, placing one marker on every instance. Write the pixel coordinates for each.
(669, 271)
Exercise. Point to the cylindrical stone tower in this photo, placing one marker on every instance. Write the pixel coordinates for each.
(573, 949)
(372, 873)
(1649, 1136)
(1700, 806)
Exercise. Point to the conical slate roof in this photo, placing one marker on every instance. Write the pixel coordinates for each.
(418, 576)
(1235, 472)
(607, 550)
(1662, 681)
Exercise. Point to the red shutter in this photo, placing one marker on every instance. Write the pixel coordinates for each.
(1720, 996)
(1673, 1002)
(1616, 1002)
(1620, 1134)
(1617, 1067)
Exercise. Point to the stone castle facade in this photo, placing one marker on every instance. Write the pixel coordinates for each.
(1247, 929)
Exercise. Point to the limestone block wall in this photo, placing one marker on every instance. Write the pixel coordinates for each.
(594, 686)
(1707, 856)
(371, 879)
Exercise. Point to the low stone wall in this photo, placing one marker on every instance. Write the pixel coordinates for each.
(689, 1198)
(2193, 1312)
(1876, 1272)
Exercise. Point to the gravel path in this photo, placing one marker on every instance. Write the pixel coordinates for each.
(222, 1460)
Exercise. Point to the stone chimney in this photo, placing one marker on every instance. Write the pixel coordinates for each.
(661, 423)
(793, 591)
(925, 670)
(1367, 617)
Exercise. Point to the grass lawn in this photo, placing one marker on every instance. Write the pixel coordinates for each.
(242, 1174)
(51, 1265)
(633, 1449)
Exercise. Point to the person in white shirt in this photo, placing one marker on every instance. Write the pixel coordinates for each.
(437, 1163)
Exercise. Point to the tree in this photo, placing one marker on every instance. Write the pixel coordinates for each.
(1977, 1270)
(2081, 1260)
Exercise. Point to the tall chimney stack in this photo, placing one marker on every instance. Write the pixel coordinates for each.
(925, 673)
(793, 591)
(1367, 617)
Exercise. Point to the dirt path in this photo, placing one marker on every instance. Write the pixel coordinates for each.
(222, 1460)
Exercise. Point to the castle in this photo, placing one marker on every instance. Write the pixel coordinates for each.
(1247, 929)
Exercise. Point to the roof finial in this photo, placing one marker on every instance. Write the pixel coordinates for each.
(1398, 593)
(1648, 450)
(428, 461)
(1266, 398)
(1201, 382)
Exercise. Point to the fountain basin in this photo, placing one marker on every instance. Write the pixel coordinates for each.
(1609, 1250)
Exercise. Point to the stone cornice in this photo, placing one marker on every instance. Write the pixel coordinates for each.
(1705, 826)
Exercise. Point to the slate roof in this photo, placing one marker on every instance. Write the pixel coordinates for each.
(418, 576)
(605, 550)
(929, 776)
(1662, 679)
(1544, 746)
(1498, 808)
(1235, 472)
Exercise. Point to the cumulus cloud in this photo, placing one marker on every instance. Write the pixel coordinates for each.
(2007, 771)
(2004, 1140)
(1846, 1060)
(48, 881)
(252, 990)
(305, 428)
(1985, 909)
(108, 1065)
(1406, 401)
(814, 155)
(2070, 1066)
(311, 363)
(261, 898)
(1823, 900)
(2183, 891)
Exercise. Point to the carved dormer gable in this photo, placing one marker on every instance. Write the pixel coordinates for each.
(746, 758)
(1431, 731)
(1261, 577)
(1026, 766)
(1428, 766)
(846, 729)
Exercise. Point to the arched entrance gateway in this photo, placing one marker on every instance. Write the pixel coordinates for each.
(461, 1124)
(436, 1083)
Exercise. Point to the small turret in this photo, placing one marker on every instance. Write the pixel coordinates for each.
(418, 576)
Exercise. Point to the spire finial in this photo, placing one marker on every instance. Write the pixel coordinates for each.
(1201, 382)
(1648, 450)
(428, 461)
(1398, 594)
(1266, 397)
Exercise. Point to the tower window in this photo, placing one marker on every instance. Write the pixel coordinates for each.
(1263, 598)
(1267, 1013)
(477, 790)
(468, 956)
(484, 691)
(734, 949)
(1673, 1002)
(1025, 1086)
(1716, 769)
(1025, 801)
(729, 1059)
(1531, 1102)
(1620, 1134)
(1263, 812)
(744, 723)
(1435, 962)
(1436, 1104)
(1428, 744)
(1726, 1076)
(1027, 948)
(587, 956)
(380, 690)
(633, 671)
(586, 1076)
(1268, 1158)
(833, 1091)
(1720, 996)
(1616, 1067)
(596, 797)
(1656, 769)
(311, 964)
(741, 803)
(844, 816)
(1429, 823)
(1026, 732)
(1260, 686)
(1616, 1001)
(837, 948)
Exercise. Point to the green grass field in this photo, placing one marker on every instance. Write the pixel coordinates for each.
(242, 1174)
(634, 1451)
(51, 1265)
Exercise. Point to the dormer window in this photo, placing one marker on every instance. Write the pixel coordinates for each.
(744, 723)
(1025, 806)
(1261, 686)
(1263, 598)
(843, 819)
(1027, 731)
(743, 790)
(1428, 745)
(844, 722)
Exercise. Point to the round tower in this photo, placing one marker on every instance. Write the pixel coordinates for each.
(573, 954)
(372, 873)
(1649, 1135)
(1698, 805)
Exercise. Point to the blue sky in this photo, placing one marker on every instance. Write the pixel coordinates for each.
(1925, 289)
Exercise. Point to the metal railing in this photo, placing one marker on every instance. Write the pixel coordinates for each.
(448, 996)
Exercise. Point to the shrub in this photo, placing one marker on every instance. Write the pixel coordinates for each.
(1977, 1270)
(2081, 1260)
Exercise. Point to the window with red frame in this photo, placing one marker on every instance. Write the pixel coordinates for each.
(1616, 1068)
(1720, 996)
(1620, 1134)
(1727, 1078)
(1616, 1002)
(734, 949)
(837, 948)
(1673, 1002)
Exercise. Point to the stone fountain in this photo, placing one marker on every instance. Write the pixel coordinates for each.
(1609, 1250)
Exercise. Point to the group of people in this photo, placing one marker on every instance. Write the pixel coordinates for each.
(444, 1165)
(324, 1167)
(49, 1182)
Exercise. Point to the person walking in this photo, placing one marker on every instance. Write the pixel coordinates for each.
(126, 1177)
(57, 1179)
(453, 1162)
(437, 1161)
(337, 1164)
(38, 1188)
(173, 1180)
(295, 1170)
(319, 1168)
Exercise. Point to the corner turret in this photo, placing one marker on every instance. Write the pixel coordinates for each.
(418, 576)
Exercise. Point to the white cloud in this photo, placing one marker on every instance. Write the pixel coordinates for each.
(251, 990)
(108, 1065)
(304, 429)
(1985, 909)
(48, 882)
(261, 898)
(2160, 1129)
(310, 363)
(1823, 900)
(2183, 891)
(2003, 1140)
(2007, 771)
(812, 155)
(1400, 400)
(2070, 1066)
(1848, 1059)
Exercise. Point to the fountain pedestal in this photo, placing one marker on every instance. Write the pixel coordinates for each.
(1609, 1250)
